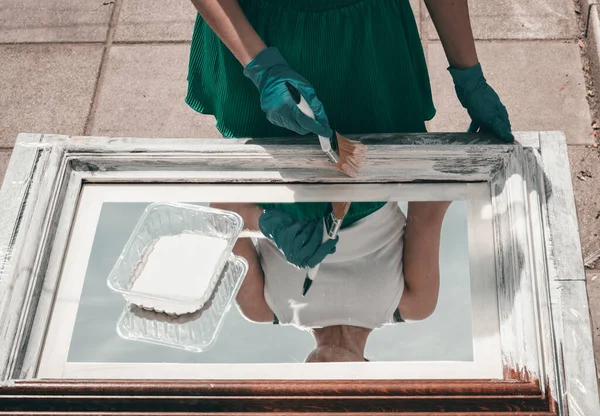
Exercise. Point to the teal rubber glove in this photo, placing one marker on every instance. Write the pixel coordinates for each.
(269, 71)
(487, 112)
(300, 241)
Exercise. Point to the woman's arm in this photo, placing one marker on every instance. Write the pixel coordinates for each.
(488, 114)
(421, 259)
(251, 296)
(451, 20)
(266, 67)
(227, 20)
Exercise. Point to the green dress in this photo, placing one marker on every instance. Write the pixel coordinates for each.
(363, 57)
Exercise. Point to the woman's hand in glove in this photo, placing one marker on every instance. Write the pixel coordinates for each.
(269, 72)
(300, 241)
(487, 112)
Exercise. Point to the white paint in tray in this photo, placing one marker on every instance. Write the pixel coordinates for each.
(179, 267)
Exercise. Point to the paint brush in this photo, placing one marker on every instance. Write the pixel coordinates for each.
(340, 209)
(351, 155)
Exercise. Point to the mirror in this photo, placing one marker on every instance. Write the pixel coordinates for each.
(411, 283)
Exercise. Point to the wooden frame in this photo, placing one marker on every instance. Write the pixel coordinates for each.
(545, 329)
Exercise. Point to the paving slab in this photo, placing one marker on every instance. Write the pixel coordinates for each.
(591, 50)
(510, 19)
(172, 20)
(585, 174)
(166, 20)
(4, 158)
(541, 84)
(46, 88)
(54, 20)
(416, 7)
(593, 289)
(143, 95)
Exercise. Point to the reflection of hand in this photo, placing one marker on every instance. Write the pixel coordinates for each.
(269, 72)
(482, 103)
(300, 241)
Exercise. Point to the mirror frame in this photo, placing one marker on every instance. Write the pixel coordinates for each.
(545, 329)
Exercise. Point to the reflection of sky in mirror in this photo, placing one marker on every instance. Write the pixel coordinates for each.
(445, 336)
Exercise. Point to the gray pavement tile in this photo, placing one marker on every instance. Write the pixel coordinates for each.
(585, 174)
(46, 89)
(541, 84)
(4, 158)
(514, 19)
(143, 95)
(54, 20)
(167, 20)
(416, 6)
(593, 289)
(171, 20)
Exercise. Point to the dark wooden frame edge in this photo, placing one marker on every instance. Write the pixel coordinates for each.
(274, 396)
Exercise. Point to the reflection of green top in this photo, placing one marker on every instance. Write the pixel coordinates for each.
(363, 57)
(318, 210)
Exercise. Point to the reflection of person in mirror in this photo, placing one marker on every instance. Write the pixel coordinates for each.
(385, 270)
(360, 66)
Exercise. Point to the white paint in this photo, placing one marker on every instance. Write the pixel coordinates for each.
(177, 274)
(287, 193)
(484, 292)
(519, 324)
(566, 273)
(561, 213)
(407, 370)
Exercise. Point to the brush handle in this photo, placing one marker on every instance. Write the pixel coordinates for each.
(305, 109)
(324, 141)
(312, 273)
(251, 234)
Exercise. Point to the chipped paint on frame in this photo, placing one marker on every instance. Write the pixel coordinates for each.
(538, 265)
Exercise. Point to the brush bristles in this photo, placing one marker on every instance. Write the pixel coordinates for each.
(352, 155)
(340, 209)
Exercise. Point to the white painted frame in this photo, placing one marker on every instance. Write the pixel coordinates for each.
(487, 362)
(545, 327)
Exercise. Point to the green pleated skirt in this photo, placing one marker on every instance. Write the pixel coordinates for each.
(363, 57)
